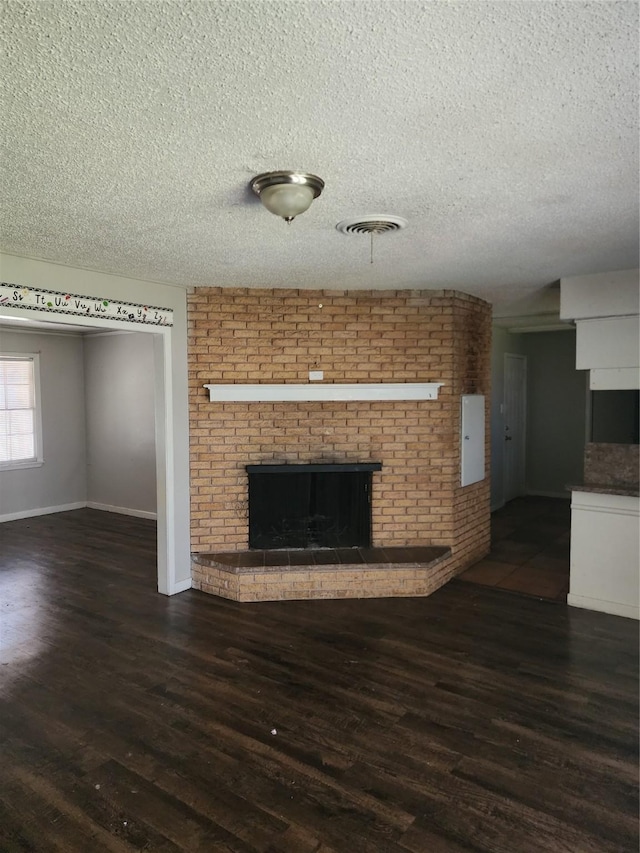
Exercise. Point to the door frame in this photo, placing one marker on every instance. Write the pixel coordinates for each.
(163, 410)
(523, 431)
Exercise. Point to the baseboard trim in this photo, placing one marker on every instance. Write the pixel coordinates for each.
(542, 494)
(180, 586)
(42, 510)
(122, 510)
(534, 494)
(615, 608)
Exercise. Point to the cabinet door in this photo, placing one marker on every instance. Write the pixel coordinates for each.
(472, 439)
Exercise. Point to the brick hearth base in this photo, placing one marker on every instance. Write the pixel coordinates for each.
(326, 573)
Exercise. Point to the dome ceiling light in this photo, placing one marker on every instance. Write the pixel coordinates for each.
(287, 194)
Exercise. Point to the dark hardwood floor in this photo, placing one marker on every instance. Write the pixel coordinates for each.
(472, 720)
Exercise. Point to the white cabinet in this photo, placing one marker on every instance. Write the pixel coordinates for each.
(605, 307)
(604, 553)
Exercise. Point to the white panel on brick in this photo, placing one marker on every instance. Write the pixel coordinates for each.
(472, 439)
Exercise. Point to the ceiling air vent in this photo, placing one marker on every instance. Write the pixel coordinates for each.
(377, 223)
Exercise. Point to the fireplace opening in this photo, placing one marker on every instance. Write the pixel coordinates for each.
(310, 506)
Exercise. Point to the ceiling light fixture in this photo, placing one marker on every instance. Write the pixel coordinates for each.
(287, 194)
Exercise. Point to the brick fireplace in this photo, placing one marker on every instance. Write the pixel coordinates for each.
(279, 336)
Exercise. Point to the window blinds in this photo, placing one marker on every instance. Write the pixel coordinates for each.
(17, 410)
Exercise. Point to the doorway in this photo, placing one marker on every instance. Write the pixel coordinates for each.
(515, 412)
(161, 382)
(530, 549)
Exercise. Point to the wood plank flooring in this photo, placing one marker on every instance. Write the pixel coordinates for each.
(472, 720)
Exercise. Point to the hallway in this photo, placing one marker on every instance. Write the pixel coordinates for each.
(530, 542)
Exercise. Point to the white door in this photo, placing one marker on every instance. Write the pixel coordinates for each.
(514, 409)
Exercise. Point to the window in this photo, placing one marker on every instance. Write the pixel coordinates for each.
(20, 431)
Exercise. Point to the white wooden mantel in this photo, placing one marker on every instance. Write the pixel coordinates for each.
(324, 392)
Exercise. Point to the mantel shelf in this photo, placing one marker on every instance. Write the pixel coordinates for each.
(324, 391)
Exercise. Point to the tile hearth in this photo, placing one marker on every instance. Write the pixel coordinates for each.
(272, 575)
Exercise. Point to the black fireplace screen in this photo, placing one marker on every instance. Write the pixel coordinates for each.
(310, 506)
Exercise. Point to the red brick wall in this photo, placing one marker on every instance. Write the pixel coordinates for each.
(275, 336)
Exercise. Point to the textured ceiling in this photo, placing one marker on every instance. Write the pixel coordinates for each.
(505, 133)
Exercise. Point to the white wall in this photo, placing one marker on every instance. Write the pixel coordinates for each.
(119, 400)
(556, 413)
(174, 564)
(60, 482)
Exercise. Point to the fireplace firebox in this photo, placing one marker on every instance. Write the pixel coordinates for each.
(310, 505)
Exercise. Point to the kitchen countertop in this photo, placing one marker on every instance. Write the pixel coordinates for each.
(631, 490)
(610, 469)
